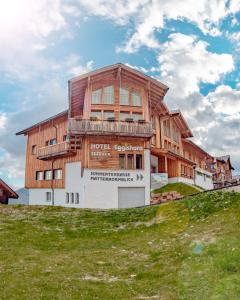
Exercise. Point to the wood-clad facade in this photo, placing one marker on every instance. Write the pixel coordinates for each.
(116, 121)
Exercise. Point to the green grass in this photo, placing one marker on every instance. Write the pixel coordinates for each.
(187, 249)
(181, 188)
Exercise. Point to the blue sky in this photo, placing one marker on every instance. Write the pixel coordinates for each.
(192, 47)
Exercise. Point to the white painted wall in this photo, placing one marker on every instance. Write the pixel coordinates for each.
(180, 179)
(95, 193)
(104, 194)
(204, 179)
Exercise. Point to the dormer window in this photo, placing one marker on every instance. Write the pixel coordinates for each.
(124, 96)
(104, 95)
(136, 99)
(96, 96)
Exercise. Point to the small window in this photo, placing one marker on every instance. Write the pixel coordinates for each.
(130, 161)
(48, 175)
(124, 115)
(108, 114)
(139, 162)
(65, 138)
(124, 97)
(39, 175)
(34, 149)
(76, 198)
(136, 99)
(57, 174)
(96, 96)
(51, 142)
(96, 114)
(137, 116)
(67, 198)
(121, 161)
(108, 95)
(72, 198)
(48, 196)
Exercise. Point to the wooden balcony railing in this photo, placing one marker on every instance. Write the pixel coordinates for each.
(51, 151)
(99, 127)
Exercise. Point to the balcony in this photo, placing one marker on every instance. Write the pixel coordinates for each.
(119, 128)
(54, 151)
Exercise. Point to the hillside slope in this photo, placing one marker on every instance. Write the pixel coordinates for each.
(179, 187)
(180, 250)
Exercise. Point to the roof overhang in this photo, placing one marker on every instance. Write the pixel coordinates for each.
(10, 192)
(181, 123)
(171, 155)
(25, 131)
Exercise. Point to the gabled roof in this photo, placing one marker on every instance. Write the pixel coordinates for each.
(197, 147)
(182, 123)
(8, 190)
(123, 67)
(225, 159)
(24, 131)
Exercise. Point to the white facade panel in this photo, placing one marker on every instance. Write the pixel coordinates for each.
(97, 188)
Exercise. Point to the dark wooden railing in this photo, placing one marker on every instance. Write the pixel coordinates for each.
(53, 150)
(99, 127)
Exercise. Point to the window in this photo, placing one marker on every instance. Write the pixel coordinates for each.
(139, 163)
(48, 196)
(67, 198)
(76, 198)
(124, 96)
(34, 149)
(96, 96)
(48, 175)
(124, 115)
(136, 99)
(137, 116)
(130, 161)
(51, 142)
(108, 95)
(121, 161)
(108, 114)
(72, 198)
(57, 174)
(96, 114)
(166, 128)
(65, 138)
(39, 175)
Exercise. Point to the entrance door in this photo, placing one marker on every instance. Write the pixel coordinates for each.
(131, 197)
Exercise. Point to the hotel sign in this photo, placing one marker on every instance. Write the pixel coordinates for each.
(104, 150)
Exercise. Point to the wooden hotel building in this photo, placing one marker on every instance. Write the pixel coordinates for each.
(101, 152)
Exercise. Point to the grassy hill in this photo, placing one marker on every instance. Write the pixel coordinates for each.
(180, 250)
(181, 188)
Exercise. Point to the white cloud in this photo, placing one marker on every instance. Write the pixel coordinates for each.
(225, 100)
(148, 16)
(185, 62)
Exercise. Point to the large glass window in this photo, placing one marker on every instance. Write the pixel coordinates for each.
(136, 99)
(139, 163)
(130, 161)
(57, 174)
(137, 116)
(96, 96)
(121, 161)
(96, 114)
(124, 115)
(124, 96)
(108, 114)
(48, 175)
(108, 95)
(39, 175)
